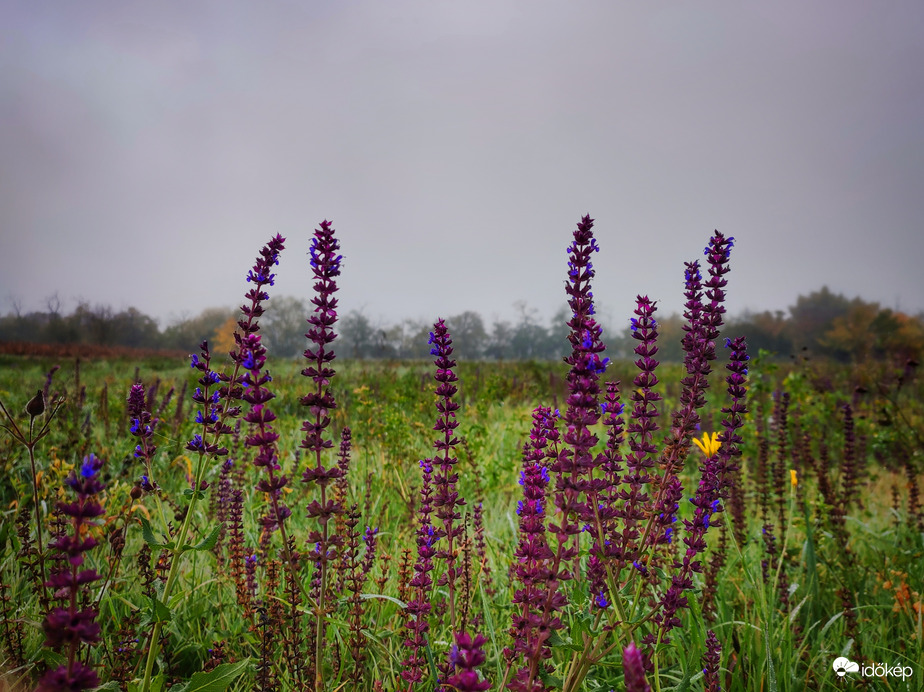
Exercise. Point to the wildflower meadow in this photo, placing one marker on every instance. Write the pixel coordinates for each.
(243, 522)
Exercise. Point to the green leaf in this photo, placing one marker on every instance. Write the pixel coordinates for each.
(488, 618)
(157, 684)
(216, 680)
(199, 494)
(771, 669)
(208, 542)
(434, 673)
(148, 534)
(684, 684)
(112, 685)
(549, 680)
(558, 641)
(400, 604)
(159, 612)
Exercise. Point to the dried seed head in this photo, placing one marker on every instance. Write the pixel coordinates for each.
(36, 405)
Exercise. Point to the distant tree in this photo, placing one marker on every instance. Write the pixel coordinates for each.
(222, 341)
(133, 328)
(284, 325)
(557, 346)
(186, 334)
(768, 331)
(356, 335)
(500, 343)
(529, 340)
(469, 337)
(413, 335)
(903, 337)
(868, 332)
(813, 315)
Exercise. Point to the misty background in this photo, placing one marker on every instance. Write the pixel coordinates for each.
(150, 149)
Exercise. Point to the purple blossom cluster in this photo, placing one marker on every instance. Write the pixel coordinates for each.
(142, 427)
(70, 627)
(325, 265)
(627, 545)
(537, 599)
(575, 464)
(251, 355)
(703, 322)
(465, 657)
(418, 609)
(446, 500)
(711, 661)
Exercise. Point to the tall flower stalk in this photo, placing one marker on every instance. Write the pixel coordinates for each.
(577, 491)
(216, 394)
(446, 500)
(418, 608)
(325, 265)
(71, 627)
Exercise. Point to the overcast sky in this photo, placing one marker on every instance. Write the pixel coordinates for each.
(148, 150)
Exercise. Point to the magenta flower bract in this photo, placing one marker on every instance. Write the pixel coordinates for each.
(465, 658)
(634, 669)
(446, 500)
(72, 627)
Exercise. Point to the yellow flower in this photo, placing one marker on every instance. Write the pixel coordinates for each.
(793, 478)
(708, 446)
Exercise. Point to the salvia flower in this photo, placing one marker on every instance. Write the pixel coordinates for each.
(706, 501)
(711, 661)
(446, 499)
(704, 319)
(70, 627)
(729, 440)
(465, 657)
(263, 437)
(641, 428)
(578, 493)
(325, 266)
(142, 426)
(207, 394)
(418, 609)
(533, 567)
(634, 669)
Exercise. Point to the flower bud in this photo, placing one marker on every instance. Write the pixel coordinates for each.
(36, 405)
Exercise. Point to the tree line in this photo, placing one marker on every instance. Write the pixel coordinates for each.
(823, 323)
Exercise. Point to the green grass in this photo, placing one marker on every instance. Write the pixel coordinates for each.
(876, 563)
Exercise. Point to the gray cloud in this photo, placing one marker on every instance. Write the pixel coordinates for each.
(150, 149)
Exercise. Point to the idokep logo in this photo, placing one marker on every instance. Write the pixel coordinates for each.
(842, 666)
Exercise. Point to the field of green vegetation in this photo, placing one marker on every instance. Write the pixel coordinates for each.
(842, 577)
(233, 522)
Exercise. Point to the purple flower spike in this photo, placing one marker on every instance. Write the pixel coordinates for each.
(576, 461)
(532, 568)
(711, 660)
(734, 419)
(641, 428)
(707, 502)
(465, 658)
(447, 499)
(325, 263)
(634, 669)
(70, 627)
(418, 609)
(142, 425)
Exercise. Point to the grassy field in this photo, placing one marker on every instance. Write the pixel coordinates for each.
(242, 524)
(825, 563)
